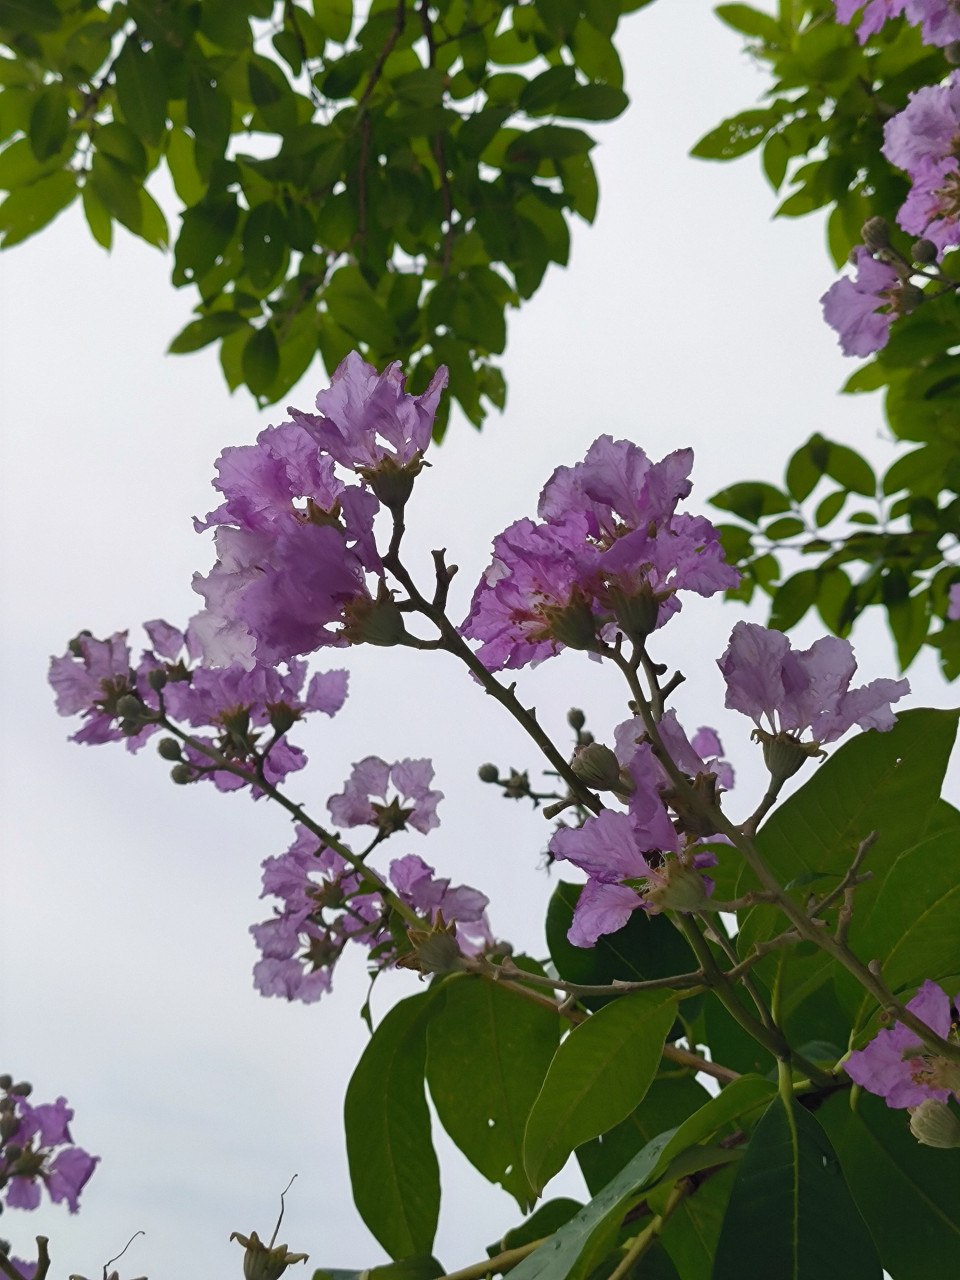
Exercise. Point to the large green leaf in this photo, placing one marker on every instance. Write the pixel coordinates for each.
(691, 1234)
(141, 92)
(393, 1167)
(791, 1215)
(488, 1054)
(884, 782)
(909, 1195)
(600, 1073)
(668, 1102)
(29, 209)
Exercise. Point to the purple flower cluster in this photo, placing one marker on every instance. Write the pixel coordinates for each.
(326, 905)
(638, 858)
(248, 709)
(787, 691)
(923, 140)
(939, 19)
(295, 542)
(861, 310)
(897, 1067)
(608, 557)
(29, 1156)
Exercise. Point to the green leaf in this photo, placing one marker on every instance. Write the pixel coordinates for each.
(98, 217)
(909, 1195)
(830, 507)
(49, 121)
(118, 190)
(751, 500)
(914, 918)
(595, 1223)
(806, 466)
(190, 187)
(600, 1073)
(200, 333)
(792, 600)
(208, 110)
(547, 89)
(646, 947)
(580, 181)
(668, 1102)
(29, 209)
(264, 243)
(549, 142)
(35, 17)
(547, 1219)
(354, 307)
(849, 469)
(116, 140)
(691, 1234)
(205, 233)
(141, 92)
(786, 527)
(736, 136)
(335, 17)
(393, 1168)
(261, 361)
(886, 782)
(791, 1214)
(593, 102)
(19, 167)
(503, 1046)
(750, 22)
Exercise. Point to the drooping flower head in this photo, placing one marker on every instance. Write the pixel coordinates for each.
(897, 1067)
(861, 310)
(607, 558)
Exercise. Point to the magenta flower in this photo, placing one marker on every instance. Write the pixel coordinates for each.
(862, 310)
(921, 140)
(897, 1067)
(367, 418)
(787, 691)
(413, 803)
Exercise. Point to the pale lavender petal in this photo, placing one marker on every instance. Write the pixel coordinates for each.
(601, 909)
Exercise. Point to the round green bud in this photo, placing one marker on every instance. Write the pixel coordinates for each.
(130, 707)
(488, 773)
(181, 774)
(169, 749)
(924, 251)
(576, 719)
(876, 234)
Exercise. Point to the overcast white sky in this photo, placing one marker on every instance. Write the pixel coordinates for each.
(686, 317)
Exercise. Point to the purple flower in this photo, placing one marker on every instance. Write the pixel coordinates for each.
(607, 560)
(939, 18)
(601, 909)
(786, 691)
(414, 804)
(953, 605)
(91, 678)
(897, 1067)
(367, 418)
(531, 601)
(852, 307)
(27, 1269)
(290, 979)
(29, 1157)
(417, 885)
(921, 139)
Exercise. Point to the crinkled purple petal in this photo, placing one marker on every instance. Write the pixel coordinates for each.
(752, 668)
(601, 909)
(22, 1193)
(605, 847)
(68, 1174)
(881, 1067)
(327, 691)
(167, 641)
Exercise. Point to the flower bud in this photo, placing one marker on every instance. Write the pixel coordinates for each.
(169, 749)
(436, 951)
(576, 719)
(876, 234)
(924, 251)
(933, 1124)
(597, 766)
(488, 773)
(910, 297)
(157, 679)
(681, 888)
(637, 611)
(181, 774)
(260, 1262)
(392, 484)
(6, 1081)
(282, 716)
(9, 1124)
(130, 707)
(22, 1089)
(783, 754)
